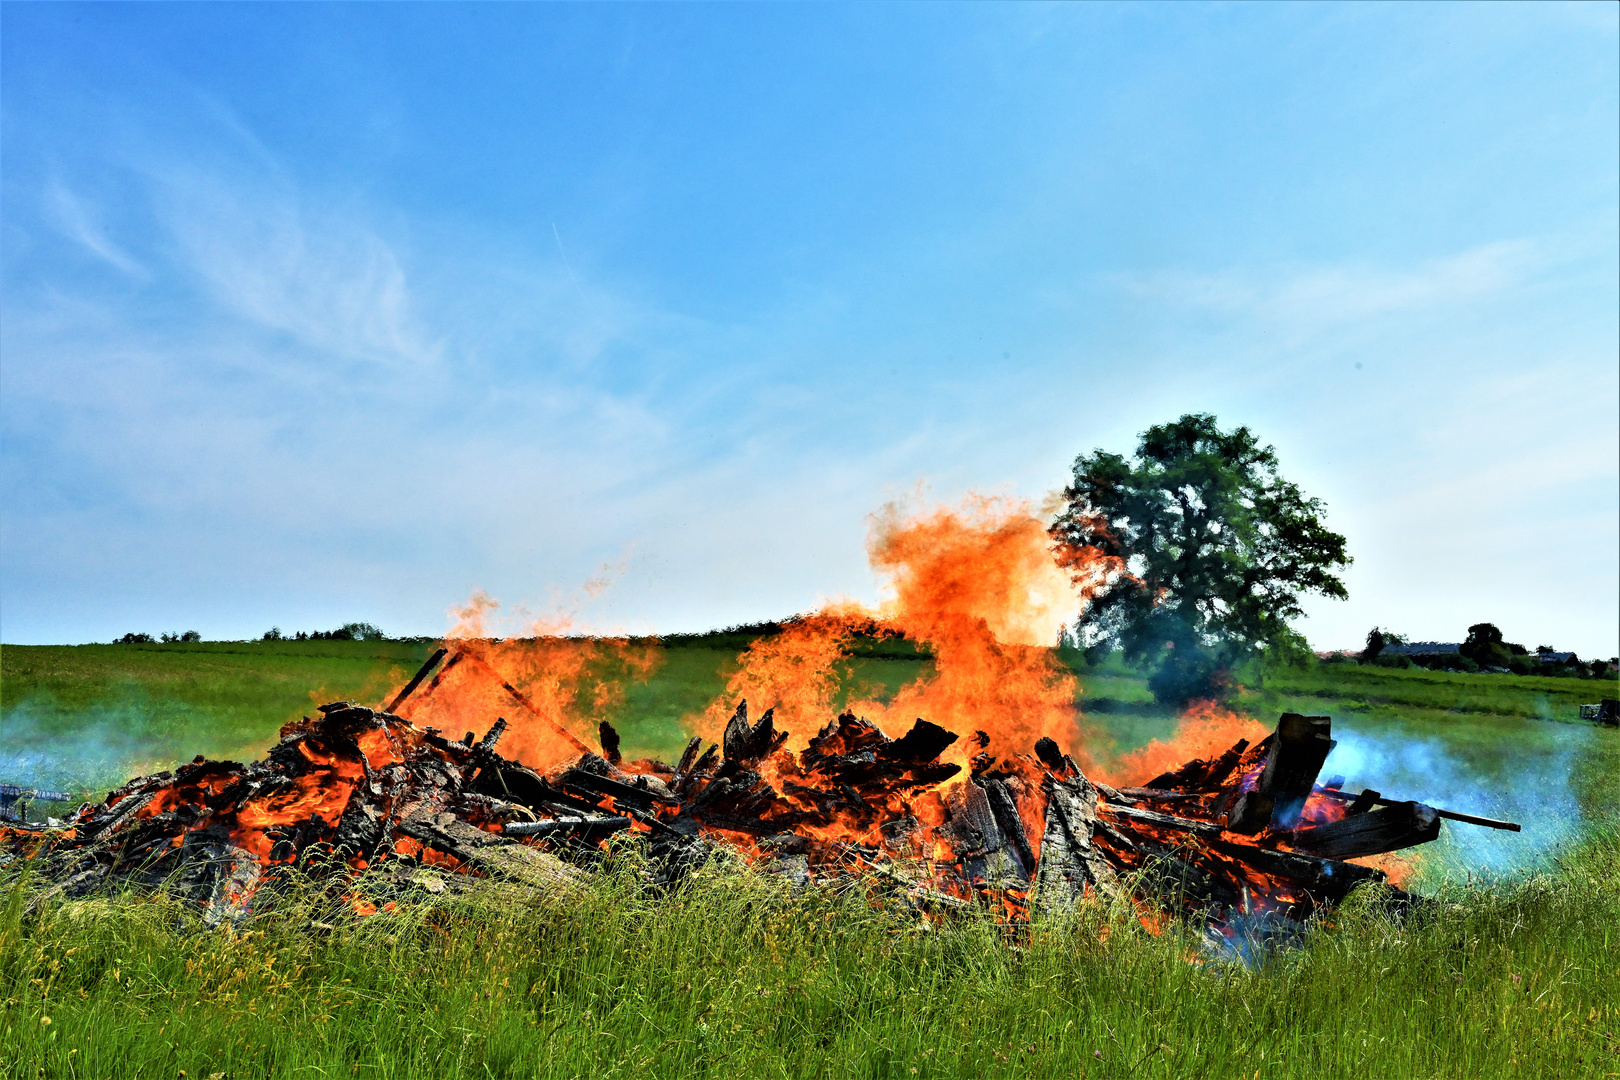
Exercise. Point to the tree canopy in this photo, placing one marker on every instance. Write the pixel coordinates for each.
(1204, 551)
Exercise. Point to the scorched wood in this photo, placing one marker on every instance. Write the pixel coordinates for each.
(1298, 748)
(1389, 828)
(1071, 862)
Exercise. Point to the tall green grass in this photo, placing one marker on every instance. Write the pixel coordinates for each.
(735, 976)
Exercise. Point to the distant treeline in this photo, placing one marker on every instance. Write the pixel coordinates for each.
(1483, 650)
(352, 631)
(870, 639)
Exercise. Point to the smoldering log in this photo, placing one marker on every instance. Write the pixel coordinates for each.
(1389, 828)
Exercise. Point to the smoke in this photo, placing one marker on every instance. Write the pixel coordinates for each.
(1522, 776)
(91, 749)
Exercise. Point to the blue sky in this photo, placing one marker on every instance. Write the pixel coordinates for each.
(314, 313)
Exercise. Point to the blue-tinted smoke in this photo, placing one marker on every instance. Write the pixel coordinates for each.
(1529, 781)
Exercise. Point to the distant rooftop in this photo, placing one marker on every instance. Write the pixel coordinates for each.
(1425, 648)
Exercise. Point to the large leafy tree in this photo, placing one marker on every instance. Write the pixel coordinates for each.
(1195, 553)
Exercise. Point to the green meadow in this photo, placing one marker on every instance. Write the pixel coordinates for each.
(1510, 973)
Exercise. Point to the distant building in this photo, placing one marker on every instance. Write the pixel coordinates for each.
(1550, 657)
(1425, 648)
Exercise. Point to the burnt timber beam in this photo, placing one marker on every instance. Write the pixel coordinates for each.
(1298, 749)
(1374, 798)
(1389, 828)
(1326, 878)
(578, 828)
(1164, 821)
(416, 680)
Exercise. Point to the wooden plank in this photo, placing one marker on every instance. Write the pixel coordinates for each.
(1005, 809)
(1071, 862)
(1360, 804)
(1325, 878)
(1389, 828)
(1164, 821)
(1297, 752)
(579, 828)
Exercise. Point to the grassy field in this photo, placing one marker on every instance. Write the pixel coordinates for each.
(1511, 974)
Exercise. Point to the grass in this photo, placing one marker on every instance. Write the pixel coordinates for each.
(734, 976)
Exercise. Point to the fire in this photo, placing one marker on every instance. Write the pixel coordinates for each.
(1204, 731)
(979, 587)
(569, 683)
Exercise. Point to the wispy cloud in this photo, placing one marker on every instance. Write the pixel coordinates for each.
(80, 222)
(1311, 297)
(319, 274)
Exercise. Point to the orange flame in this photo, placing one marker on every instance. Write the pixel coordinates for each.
(979, 586)
(572, 683)
(1205, 730)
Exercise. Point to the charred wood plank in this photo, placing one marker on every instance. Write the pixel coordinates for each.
(1163, 821)
(1071, 861)
(636, 795)
(1369, 798)
(1326, 878)
(1364, 802)
(979, 843)
(485, 852)
(1005, 809)
(416, 680)
(1133, 794)
(1301, 746)
(1250, 813)
(745, 744)
(689, 756)
(1389, 828)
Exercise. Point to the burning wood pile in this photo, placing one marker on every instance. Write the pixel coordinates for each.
(1220, 839)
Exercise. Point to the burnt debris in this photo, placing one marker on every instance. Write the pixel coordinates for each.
(353, 787)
